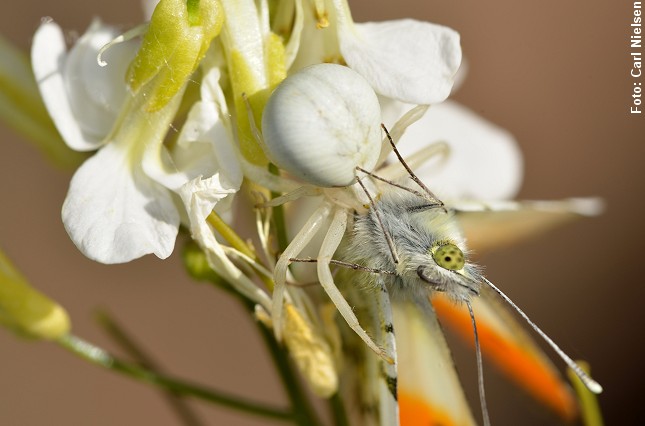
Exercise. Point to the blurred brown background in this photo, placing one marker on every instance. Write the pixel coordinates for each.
(556, 74)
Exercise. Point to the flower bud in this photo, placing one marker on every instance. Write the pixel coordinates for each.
(311, 353)
(177, 39)
(27, 311)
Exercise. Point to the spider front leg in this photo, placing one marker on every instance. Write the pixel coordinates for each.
(304, 236)
(303, 191)
(330, 244)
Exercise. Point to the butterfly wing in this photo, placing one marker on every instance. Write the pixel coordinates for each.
(429, 389)
(368, 381)
(384, 374)
(489, 225)
(493, 224)
(512, 350)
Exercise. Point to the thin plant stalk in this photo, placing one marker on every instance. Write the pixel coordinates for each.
(175, 400)
(102, 358)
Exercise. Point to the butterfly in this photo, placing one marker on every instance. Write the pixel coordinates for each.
(407, 243)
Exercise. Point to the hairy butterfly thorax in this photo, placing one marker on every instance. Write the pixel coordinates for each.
(429, 251)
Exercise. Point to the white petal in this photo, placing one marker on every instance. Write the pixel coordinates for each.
(484, 161)
(148, 7)
(292, 47)
(321, 42)
(204, 147)
(461, 75)
(200, 196)
(408, 60)
(114, 213)
(96, 93)
(82, 98)
(194, 153)
(48, 55)
(243, 30)
(209, 124)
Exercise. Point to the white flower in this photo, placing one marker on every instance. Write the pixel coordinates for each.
(408, 60)
(113, 211)
(120, 204)
(82, 98)
(488, 153)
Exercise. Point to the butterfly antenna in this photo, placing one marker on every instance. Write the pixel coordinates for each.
(480, 367)
(590, 383)
(408, 169)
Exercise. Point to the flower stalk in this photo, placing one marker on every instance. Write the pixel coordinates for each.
(303, 414)
(102, 358)
(22, 109)
(589, 407)
(136, 352)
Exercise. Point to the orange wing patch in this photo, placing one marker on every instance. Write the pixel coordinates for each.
(512, 352)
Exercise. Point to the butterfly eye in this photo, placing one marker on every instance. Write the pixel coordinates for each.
(449, 256)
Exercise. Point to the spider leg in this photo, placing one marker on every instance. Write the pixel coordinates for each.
(266, 179)
(330, 244)
(354, 266)
(399, 128)
(437, 149)
(294, 248)
(303, 191)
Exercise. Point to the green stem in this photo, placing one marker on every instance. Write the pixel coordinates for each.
(175, 400)
(100, 357)
(338, 410)
(230, 235)
(303, 413)
(22, 109)
(278, 217)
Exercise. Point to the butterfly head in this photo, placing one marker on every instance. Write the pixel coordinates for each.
(446, 269)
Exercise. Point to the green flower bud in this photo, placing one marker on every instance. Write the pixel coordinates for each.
(177, 39)
(27, 311)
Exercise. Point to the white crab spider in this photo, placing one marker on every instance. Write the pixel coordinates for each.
(339, 109)
(310, 130)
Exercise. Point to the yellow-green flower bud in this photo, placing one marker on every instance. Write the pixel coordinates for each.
(311, 353)
(197, 266)
(177, 39)
(27, 311)
(254, 68)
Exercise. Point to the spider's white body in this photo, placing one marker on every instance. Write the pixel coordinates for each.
(320, 124)
(325, 116)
